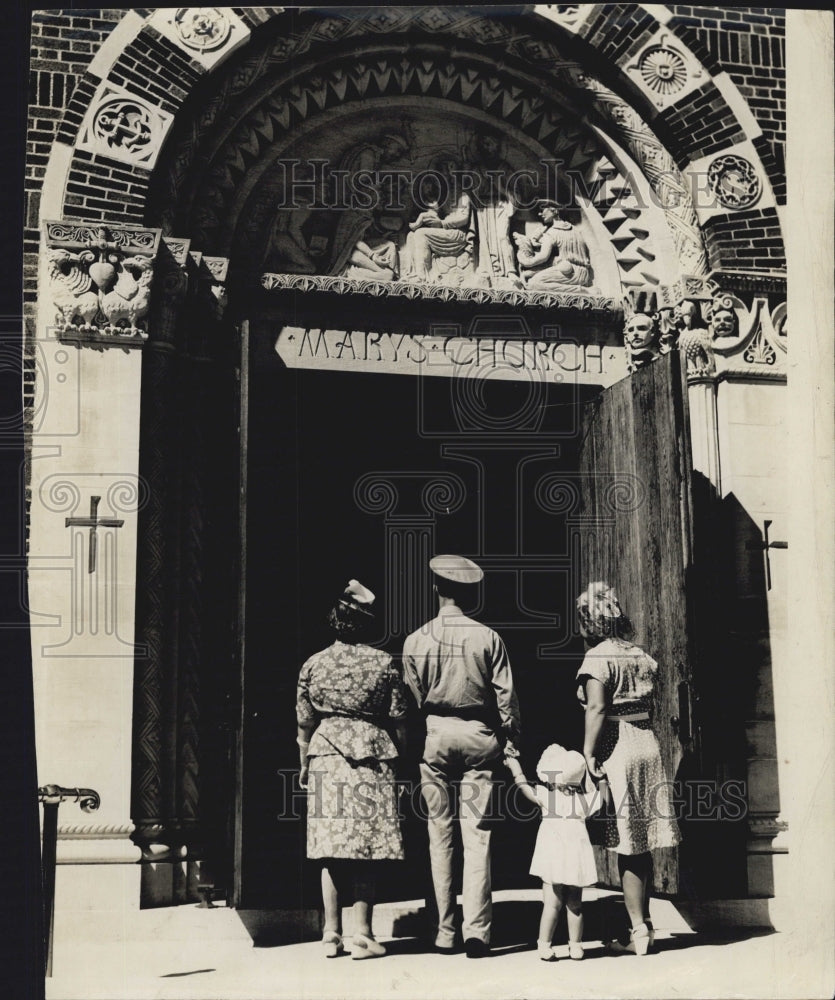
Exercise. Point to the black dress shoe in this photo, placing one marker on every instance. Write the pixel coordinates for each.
(475, 948)
(446, 950)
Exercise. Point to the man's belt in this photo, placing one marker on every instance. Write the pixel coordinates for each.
(629, 717)
(473, 714)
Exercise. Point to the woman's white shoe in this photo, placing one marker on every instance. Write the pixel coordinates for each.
(545, 951)
(640, 939)
(332, 944)
(366, 947)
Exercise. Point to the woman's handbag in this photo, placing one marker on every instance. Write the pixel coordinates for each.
(602, 824)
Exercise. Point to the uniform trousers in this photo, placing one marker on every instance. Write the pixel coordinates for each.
(459, 752)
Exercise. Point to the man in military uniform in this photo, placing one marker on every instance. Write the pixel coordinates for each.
(459, 672)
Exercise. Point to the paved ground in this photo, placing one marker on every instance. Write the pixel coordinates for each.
(199, 954)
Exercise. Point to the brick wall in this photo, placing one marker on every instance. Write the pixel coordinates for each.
(62, 45)
(749, 44)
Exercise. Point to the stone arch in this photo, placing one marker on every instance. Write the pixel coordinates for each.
(668, 101)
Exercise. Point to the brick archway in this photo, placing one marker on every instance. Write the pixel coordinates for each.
(653, 62)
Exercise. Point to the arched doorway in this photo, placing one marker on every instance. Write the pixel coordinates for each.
(304, 82)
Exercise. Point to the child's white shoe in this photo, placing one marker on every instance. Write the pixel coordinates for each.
(545, 951)
(575, 950)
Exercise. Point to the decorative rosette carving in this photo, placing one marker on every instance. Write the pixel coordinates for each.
(203, 29)
(734, 182)
(663, 69)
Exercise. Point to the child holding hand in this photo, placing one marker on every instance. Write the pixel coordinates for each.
(563, 857)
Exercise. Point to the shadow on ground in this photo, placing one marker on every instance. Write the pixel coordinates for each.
(515, 924)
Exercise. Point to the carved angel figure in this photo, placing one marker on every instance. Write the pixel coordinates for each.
(75, 300)
(694, 341)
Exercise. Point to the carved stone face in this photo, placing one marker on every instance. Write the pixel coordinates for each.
(547, 214)
(687, 313)
(723, 323)
(639, 331)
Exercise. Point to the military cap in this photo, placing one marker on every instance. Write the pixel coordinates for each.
(456, 568)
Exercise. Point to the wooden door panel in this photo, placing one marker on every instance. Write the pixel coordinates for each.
(635, 523)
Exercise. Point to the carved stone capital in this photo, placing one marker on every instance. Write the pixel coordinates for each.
(728, 324)
(100, 279)
(694, 341)
(174, 272)
(208, 290)
(749, 334)
(157, 842)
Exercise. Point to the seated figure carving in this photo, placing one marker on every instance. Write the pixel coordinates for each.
(556, 258)
(379, 262)
(361, 247)
(448, 238)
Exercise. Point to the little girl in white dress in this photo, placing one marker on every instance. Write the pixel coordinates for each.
(563, 857)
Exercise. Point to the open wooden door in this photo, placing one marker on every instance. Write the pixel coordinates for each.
(635, 532)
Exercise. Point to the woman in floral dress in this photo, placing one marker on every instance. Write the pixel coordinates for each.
(348, 694)
(617, 689)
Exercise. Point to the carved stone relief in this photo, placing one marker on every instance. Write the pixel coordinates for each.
(640, 336)
(730, 181)
(124, 127)
(413, 203)
(749, 335)
(100, 281)
(665, 71)
(567, 15)
(206, 34)
(726, 335)
(460, 83)
(734, 182)
(695, 341)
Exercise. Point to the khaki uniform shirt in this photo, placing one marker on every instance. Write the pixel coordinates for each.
(455, 664)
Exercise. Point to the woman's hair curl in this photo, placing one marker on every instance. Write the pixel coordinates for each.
(349, 622)
(600, 614)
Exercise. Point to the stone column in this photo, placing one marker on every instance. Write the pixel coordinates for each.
(178, 378)
(95, 288)
(704, 429)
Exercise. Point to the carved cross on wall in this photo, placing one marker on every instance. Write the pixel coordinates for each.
(93, 522)
(765, 545)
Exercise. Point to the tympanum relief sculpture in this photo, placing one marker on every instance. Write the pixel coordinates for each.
(396, 208)
(556, 256)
